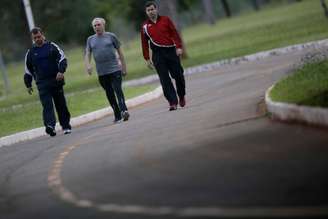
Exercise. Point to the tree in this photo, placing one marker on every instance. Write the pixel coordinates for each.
(324, 6)
(130, 10)
(169, 8)
(209, 15)
(226, 8)
(256, 4)
(64, 21)
(13, 43)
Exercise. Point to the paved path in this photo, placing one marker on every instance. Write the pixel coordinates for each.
(220, 157)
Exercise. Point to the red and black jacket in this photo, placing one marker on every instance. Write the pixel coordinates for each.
(161, 34)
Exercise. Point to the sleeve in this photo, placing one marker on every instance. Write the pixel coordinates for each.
(88, 46)
(60, 58)
(28, 75)
(174, 33)
(116, 42)
(144, 42)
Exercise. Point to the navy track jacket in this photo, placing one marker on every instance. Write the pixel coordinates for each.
(43, 63)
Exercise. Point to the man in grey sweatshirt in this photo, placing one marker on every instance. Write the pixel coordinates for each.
(110, 64)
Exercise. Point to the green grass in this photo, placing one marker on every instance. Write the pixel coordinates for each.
(308, 86)
(30, 115)
(248, 33)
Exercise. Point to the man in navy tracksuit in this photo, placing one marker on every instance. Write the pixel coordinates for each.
(45, 62)
(165, 42)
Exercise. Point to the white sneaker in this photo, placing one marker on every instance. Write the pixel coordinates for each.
(67, 131)
(125, 116)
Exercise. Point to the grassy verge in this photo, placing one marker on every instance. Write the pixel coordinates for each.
(308, 86)
(30, 115)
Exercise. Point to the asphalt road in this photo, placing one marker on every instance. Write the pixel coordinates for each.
(219, 157)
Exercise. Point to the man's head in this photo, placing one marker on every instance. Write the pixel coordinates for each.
(151, 10)
(98, 25)
(37, 36)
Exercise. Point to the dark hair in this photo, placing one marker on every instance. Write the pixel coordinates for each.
(150, 3)
(36, 30)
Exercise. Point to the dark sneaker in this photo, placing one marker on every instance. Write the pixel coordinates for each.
(50, 131)
(182, 101)
(173, 107)
(117, 120)
(67, 131)
(125, 116)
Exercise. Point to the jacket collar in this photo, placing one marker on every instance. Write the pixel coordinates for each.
(35, 46)
(151, 22)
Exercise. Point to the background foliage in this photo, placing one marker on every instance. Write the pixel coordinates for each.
(68, 22)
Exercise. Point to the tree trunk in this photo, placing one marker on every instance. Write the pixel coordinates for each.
(293, 1)
(324, 6)
(256, 4)
(209, 15)
(169, 8)
(3, 69)
(226, 8)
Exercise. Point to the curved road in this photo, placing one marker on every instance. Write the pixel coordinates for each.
(219, 157)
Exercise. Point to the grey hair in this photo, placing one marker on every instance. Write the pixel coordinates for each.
(102, 20)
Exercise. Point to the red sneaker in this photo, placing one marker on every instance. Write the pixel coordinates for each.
(182, 101)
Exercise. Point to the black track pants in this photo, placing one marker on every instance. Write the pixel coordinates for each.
(50, 96)
(167, 64)
(112, 84)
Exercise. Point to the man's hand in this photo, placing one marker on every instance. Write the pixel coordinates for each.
(29, 90)
(179, 52)
(89, 69)
(124, 71)
(150, 64)
(60, 76)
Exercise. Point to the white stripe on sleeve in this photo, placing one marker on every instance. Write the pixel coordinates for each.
(61, 52)
(156, 44)
(27, 71)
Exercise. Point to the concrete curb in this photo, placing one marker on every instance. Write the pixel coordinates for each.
(80, 120)
(293, 112)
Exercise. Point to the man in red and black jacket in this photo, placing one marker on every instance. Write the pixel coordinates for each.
(160, 34)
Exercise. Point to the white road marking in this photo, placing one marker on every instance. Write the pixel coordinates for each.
(55, 184)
